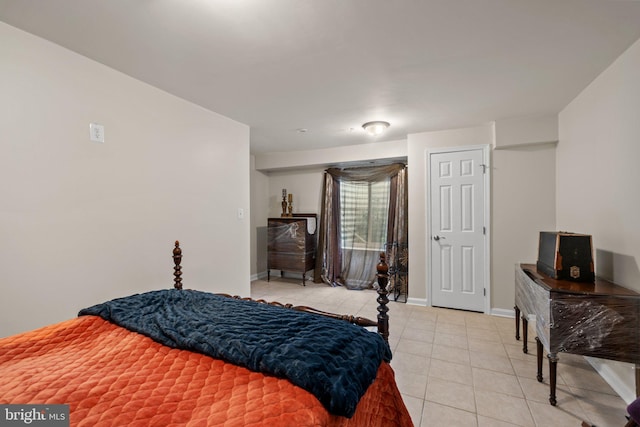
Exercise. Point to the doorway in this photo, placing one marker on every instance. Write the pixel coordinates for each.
(457, 228)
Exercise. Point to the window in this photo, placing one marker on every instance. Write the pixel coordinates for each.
(364, 211)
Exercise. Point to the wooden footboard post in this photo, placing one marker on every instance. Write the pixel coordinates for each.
(177, 270)
(383, 300)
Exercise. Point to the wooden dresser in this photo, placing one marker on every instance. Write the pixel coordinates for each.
(598, 319)
(291, 244)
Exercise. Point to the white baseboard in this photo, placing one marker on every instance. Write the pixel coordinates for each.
(259, 276)
(619, 381)
(417, 301)
(503, 312)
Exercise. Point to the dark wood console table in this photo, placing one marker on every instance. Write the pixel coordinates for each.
(598, 319)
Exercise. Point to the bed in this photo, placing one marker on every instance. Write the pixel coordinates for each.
(180, 357)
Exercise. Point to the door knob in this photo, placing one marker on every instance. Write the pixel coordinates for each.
(436, 238)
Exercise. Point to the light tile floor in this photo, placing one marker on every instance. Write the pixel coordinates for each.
(457, 368)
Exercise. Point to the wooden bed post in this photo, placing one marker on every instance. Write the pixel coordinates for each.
(383, 300)
(177, 270)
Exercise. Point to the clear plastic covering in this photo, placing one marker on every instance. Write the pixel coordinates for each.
(291, 244)
(590, 324)
(533, 299)
(287, 237)
(290, 236)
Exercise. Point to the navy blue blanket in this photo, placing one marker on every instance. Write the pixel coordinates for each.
(332, 359)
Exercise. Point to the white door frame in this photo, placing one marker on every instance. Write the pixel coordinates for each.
(487, 217)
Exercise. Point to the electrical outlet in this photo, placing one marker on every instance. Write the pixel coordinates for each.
(96, 132)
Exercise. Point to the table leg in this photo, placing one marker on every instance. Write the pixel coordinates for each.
(517, 322)
(525, 333)
(539, 352)
(553, 370)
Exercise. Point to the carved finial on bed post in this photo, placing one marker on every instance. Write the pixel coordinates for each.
(383, 279)
(177, 270)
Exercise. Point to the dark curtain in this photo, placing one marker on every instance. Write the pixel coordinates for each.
(398, 236)
(346, 266)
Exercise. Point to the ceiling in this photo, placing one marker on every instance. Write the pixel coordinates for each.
(328, 66)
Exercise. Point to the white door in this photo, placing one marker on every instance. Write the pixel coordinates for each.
(457, 229)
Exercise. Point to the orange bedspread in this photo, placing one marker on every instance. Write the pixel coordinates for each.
(112, 377)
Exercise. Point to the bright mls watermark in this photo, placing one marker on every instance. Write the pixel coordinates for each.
(34, 415)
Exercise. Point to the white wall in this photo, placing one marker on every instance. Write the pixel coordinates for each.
(82, 222)
(598, 177)
(516, 131)
(259, 215)
(522, 199)
(522, 204)
(598, 174)
(306, 187)
(331, 156)
(418, 144)
(301, 173)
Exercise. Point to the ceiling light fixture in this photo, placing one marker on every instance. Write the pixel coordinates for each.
(375, 128)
